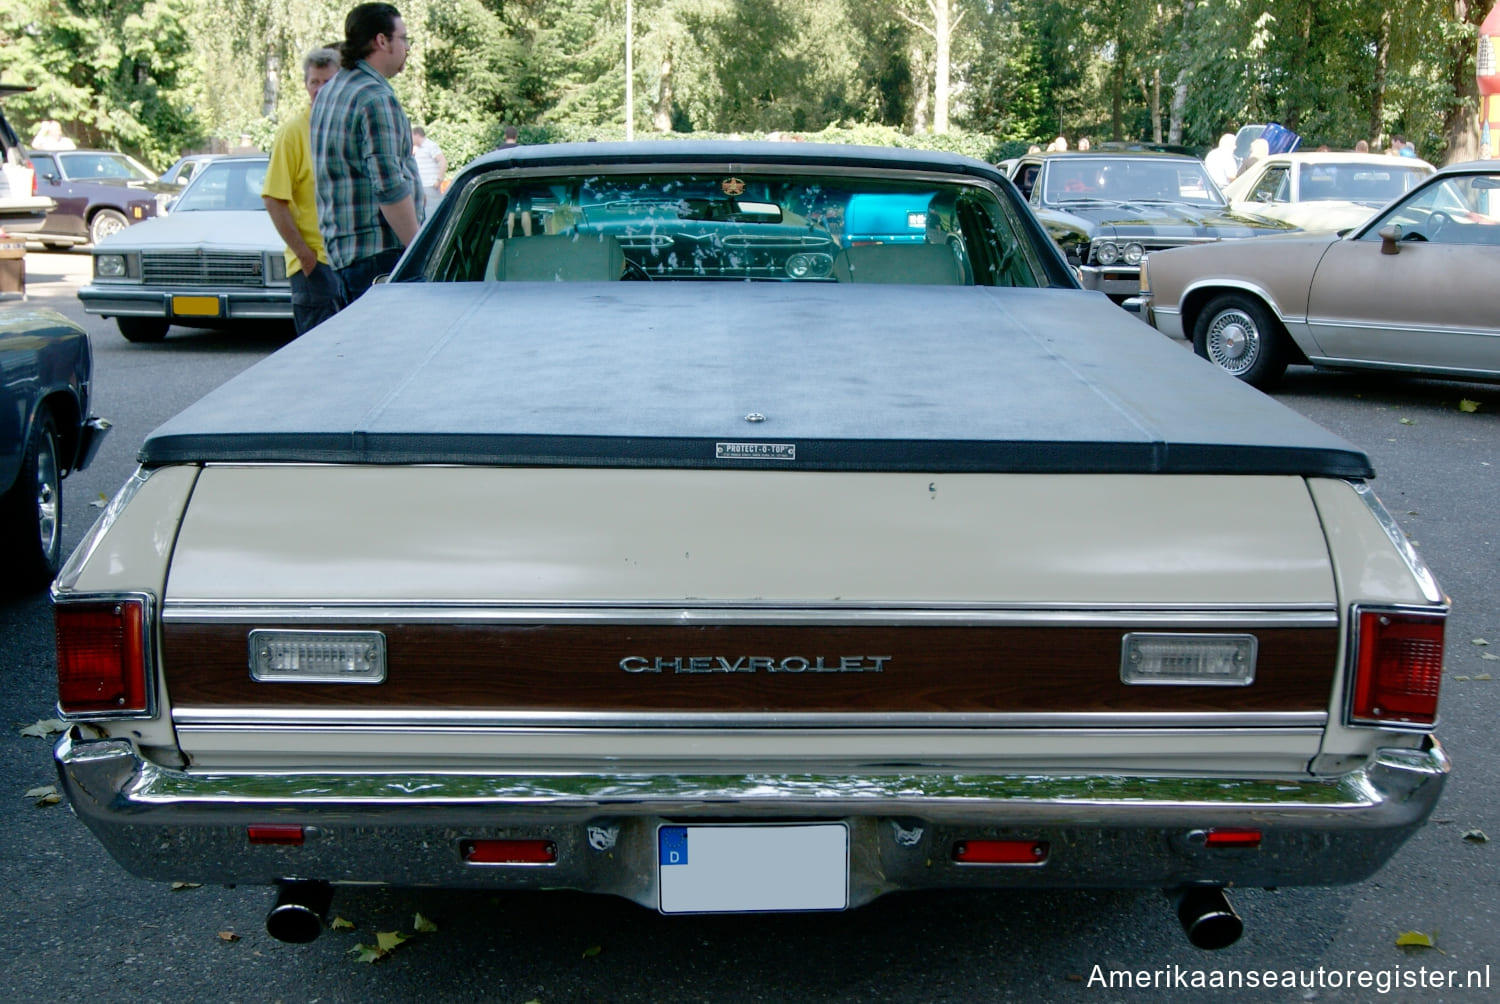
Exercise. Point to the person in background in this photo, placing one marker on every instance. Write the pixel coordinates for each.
(1220, 160)
(1083, 144)
(1401, 147)
(512, 137)
(49, 136)
(1362, 146)
(317, 293)
(431, 164)
(369, 191)
(1259, 150)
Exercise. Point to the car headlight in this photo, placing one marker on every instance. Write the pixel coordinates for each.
(110, 266)
(809, 266)
(1106, 252)
(1134, 253)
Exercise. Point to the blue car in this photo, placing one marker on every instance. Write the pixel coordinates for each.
(46, 433)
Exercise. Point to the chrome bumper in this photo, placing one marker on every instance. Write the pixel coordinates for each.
(1112, 280)
(247, 303)
(90, 436)
(407, 829)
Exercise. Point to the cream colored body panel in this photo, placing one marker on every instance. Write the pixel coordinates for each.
(560, 536)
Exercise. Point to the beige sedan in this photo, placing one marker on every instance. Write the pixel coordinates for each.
(1410, 290)
(1323, 191)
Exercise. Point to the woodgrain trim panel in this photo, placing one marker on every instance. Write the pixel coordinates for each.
(576, 668)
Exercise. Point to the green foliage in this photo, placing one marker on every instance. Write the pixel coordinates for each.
(159, 76)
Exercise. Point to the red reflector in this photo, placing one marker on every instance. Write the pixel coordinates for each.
(101, 657)
(509, 852)
(1000, 852)
(1399, 668)
(1232, 838)
(275, 833)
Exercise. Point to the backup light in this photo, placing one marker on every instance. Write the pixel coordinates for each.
(1202, 660)
(101, 658)
(1398, 668)
(278, 656)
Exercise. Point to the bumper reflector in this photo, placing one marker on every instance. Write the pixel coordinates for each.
(284, 834)
(1231, 838)
(317, 656)
(1202, 660)
(1000, 852)
(509, 852)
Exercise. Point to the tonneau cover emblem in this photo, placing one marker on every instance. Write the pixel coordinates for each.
(755, 451)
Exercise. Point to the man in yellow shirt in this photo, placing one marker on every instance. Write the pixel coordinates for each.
(317, 292)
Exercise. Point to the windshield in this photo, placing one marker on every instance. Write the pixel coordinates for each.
(1375, 184)
(232, 184)
(734, 226)
(95, 166)
(1104, 179)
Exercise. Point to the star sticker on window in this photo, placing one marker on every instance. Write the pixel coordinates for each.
(732, 186)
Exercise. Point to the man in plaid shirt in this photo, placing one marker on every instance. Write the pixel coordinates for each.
(369, 191)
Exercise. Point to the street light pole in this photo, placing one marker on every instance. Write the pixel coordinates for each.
(629, 73)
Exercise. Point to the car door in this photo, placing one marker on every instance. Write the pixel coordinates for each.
(68, 217)
(1426, 305)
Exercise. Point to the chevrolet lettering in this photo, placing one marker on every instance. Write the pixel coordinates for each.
(755, 664)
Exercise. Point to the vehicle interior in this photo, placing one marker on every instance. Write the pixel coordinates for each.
(803, 228)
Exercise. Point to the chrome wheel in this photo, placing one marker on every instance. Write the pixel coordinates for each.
(104, 223)
(48, 499)
(1233, 341)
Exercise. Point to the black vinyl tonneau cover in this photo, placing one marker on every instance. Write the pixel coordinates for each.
(758, 375)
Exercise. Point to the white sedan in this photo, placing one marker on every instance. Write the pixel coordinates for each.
(216, 258)
(1323, 191)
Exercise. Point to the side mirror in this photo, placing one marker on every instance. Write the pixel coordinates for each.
(1390, 238)
(180, 180)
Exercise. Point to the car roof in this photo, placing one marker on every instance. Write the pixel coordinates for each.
(1471, 167)
(734, 153)
(1111, 155)
(1341, 157)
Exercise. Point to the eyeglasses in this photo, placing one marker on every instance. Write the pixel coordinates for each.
(404, 39)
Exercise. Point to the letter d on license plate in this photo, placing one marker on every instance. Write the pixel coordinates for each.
(753, 868)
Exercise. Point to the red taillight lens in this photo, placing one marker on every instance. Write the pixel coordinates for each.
(101, 657)
(1000, 852)
(510, 852)
(1227, 837)
(1398, 668)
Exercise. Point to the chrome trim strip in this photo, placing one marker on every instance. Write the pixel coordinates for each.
(1419, 570)
(308, 611)
(1417, 330)
(1340, 362)
(67, 579)
(448, 719)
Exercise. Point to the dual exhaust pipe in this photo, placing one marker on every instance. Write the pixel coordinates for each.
(301, 911)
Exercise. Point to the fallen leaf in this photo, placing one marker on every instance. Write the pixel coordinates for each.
(1460, 676)
(100, 502)
(366, 953)
(388, 940)
(1479, 641)
(423, 925)
(1468, 406)
(1489, 655)
(591, 951)
(1483, 676)
(1476, 837)
(1416, 939)
(46, 727)
(180, 886)
(340, 924)
(45, 795)
(1408, 421)
(228, 936)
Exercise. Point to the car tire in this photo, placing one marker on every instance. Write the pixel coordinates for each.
(142, 329)
(106, 222)
(31, 512)
(1240, 336)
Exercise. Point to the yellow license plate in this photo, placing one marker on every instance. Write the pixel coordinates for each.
(196, 306)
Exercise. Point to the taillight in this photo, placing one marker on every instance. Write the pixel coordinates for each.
(101, 657)
(1398, 668)
(32, 169)
(1000, 852)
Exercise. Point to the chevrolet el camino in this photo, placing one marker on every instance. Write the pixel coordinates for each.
(683, 550)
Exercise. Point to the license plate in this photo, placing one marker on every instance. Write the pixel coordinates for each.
(753, 868)
(196, 306)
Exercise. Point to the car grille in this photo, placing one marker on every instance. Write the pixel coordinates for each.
(194, 268)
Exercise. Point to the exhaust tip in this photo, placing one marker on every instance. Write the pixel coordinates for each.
(297, 916)
(1209, 919)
